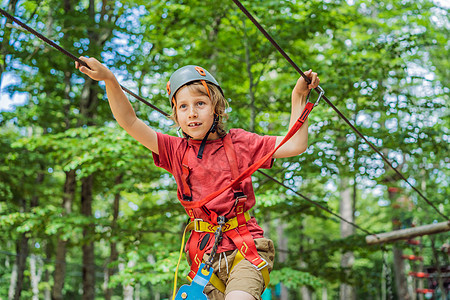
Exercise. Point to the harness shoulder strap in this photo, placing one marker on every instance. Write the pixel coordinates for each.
(232, 159)
(241, 236)
(250, 170)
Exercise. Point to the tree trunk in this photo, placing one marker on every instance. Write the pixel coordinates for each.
(114, 254)
(347, 292)
(399, 271)
(21, 261)
(324, 293)
(282, 254)
(128, 290)
(212, 37)
(401, 282)
(36, 267)
(419, 282)
(438, 267)
(88, 246)
(383, 280)
(137, 292)
(304, 290)
(306, 293)
(60, 265)
(13, 282)
(22, 250)
(47, 289)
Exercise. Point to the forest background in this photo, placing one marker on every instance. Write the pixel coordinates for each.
(85, 214)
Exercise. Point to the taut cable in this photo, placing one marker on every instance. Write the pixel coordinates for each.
(286, 56)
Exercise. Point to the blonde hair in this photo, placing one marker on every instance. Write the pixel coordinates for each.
(218, 101)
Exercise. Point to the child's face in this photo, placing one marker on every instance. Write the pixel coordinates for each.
(195, 113)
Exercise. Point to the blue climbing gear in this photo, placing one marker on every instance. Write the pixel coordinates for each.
(205, 271)
(194, 291)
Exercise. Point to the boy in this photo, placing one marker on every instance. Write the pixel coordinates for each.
(204, 161)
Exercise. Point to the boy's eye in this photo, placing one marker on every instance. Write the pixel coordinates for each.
(182, 105)
(200, 103)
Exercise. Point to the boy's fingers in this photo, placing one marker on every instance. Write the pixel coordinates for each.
(86, 71)
(314, 79)
(84, 59)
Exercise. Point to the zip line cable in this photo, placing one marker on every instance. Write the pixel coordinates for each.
(317, 204)
(286, 56)
(73, 57)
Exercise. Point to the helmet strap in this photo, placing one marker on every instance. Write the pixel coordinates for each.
(211, 130)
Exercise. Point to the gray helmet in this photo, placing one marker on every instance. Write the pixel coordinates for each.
(186, 75)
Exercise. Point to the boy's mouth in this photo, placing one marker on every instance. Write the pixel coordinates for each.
(194, 124)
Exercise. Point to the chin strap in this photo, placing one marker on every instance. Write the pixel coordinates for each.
(211, 130)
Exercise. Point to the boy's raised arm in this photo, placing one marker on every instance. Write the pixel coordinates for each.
(299, 141)
(120, 106)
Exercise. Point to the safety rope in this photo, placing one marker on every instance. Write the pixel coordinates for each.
(286, 56)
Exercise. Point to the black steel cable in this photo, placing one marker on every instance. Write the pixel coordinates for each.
(286, 56)
(317, 204)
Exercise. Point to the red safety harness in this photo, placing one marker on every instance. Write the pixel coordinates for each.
(236, 228)
(250, 170)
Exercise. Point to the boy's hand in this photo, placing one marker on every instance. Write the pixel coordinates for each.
(302, 88)
(97, 72)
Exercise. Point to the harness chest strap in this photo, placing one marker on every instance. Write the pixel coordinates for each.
(236, 229)
(250, 170)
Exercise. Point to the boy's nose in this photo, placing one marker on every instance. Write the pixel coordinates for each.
(192, 112)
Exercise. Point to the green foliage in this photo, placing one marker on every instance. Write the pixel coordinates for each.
(383, 64)
(295, 278)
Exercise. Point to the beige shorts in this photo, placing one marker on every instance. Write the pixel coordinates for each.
(244, 276)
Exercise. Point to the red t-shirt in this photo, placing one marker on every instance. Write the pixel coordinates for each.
(213, 172)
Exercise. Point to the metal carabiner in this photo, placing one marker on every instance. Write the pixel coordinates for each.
(322, 92)
(218, 238)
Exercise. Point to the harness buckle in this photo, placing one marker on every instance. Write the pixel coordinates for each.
(259, 268)
(197, 225)
(239, 197)
(321, 93)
